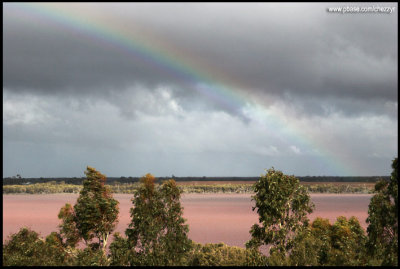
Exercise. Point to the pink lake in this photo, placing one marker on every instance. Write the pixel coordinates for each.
(212, 218)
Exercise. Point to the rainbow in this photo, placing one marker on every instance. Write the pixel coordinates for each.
(197, 76)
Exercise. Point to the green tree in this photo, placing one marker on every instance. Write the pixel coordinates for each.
(157, 234)
(95, 214)
(382, 221)
(321, 233)
(282, 205)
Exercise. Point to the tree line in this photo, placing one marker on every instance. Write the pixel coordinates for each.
(122, 180)
(158, 234)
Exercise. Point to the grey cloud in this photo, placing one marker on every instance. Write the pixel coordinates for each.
(270, 48)
(58, 63)
(298, 52)
(176, 142)
(299, 106)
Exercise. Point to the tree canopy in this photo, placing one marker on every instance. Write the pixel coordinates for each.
(282, 205)
(94, 215)
(157, 234)
(383, 220)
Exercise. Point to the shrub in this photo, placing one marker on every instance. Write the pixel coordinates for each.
(26, 248)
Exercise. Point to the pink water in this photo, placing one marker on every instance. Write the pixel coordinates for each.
(212, 218)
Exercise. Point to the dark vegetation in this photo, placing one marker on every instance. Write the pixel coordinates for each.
(18, 180)
(157, 234)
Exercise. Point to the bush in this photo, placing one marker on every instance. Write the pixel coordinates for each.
(340, 244)
(92, 256)
(120, 251)
(223, 255)
(26, 248)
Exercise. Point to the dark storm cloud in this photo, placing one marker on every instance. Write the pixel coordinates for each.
(54, 61)
(288, 47)
(271, 49)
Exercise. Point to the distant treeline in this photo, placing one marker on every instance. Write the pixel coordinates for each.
(122, 180)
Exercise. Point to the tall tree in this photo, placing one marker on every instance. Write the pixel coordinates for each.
(382, 220)
(282, 205)
(157, 234)
(95, 214)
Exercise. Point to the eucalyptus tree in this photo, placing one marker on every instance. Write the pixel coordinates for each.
(282, 205)
(94, 216)
(157, 234)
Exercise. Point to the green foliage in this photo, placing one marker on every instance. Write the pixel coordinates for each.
(91, 257)
(282, 205)
(26, 248)
(340, 244)
(63, 251)
(320, 235)
(347, 243)
(95, 214)
(223, 255)
(305, 250)
(120, 251)
(157, 234)
(382, 218)
(68, 225)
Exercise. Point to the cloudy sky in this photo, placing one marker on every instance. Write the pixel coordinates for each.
(198, 89)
